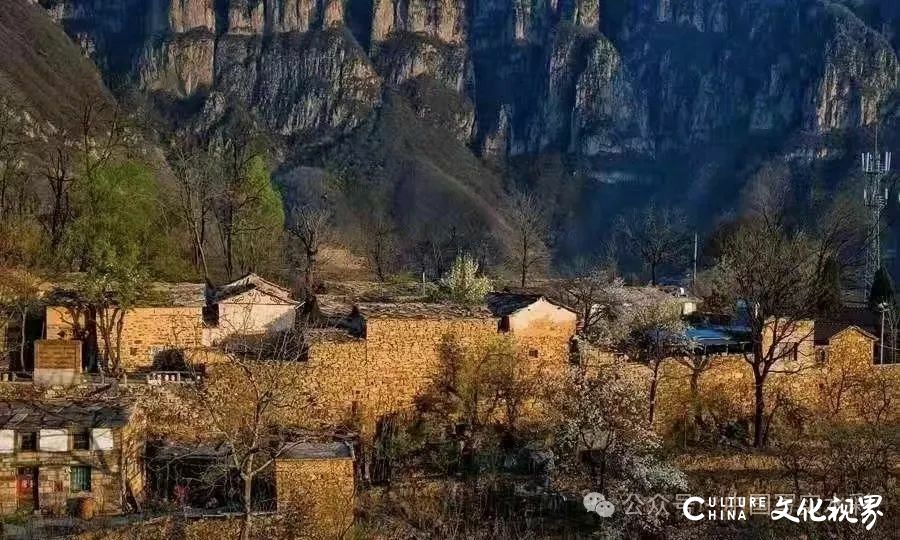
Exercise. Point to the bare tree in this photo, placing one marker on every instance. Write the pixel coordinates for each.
(531, 231)
(434, 247)
(18, 198)
(245, 191)
(195, 173)
(697, 362)
(20, 294)
(101, 134)
(773, 274)
(378, 238)
(589, 289)
(13, 143)
(310, 224)
(252, 407)
(657, 236)
(653, 334)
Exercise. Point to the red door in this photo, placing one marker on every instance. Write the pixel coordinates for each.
(27, 488)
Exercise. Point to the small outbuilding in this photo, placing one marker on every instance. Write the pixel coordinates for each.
(317, 480)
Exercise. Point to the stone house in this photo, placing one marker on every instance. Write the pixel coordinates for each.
(179, 316)
(249, 305)
(850, 333)
(795, 341)
(369, 359)
(55, 452)
(317, 480)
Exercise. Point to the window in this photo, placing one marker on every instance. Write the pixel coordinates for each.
(81, 479)
(789, 351)
(533, 353)
(28, 441)
(81, 439)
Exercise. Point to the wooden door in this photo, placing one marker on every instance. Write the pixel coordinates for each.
(27, 488)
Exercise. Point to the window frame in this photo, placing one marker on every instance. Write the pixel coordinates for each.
(83, 474)
(84, 432)
(34, 437)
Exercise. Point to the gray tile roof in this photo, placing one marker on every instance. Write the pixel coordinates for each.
(503, 304)
(863, 318)
(62, 414)
(421, 310)
(158, 294)
(251, 282)
(339, 307)
(318, 450)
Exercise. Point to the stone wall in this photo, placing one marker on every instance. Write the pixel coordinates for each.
(789, 334)
(403, 356)
(321, 489)
(399, 358)
(337, 374)
(847, 385)
(346, 379)
(57, 361)
(147, 331)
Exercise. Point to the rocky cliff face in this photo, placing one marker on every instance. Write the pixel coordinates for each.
(609, 84)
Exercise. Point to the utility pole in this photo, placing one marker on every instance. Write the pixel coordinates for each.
(883, 308)
(694, 274)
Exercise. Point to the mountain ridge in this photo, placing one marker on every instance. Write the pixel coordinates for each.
(680, 99)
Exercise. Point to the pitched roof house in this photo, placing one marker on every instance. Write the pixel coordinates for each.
(53, 452)
(246, 306)
(179, 316)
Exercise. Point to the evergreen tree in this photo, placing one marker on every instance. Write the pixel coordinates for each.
(830, 299)
(882, 291)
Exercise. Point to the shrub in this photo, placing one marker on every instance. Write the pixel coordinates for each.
(463, 284)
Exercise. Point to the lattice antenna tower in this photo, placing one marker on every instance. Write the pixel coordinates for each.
(875, 166)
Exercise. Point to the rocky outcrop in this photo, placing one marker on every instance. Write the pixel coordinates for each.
(438, 19)
(307, 85)
(647, 78)
(753, 67)
(609, 116)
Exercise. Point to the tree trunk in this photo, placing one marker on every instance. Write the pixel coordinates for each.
(247, 525)
(56, 216)
(309, 275)
(695, 398)
(116, 360)
(759, 417)
(22, 340)
(200, 255)
(654, 384)
(229, 256)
